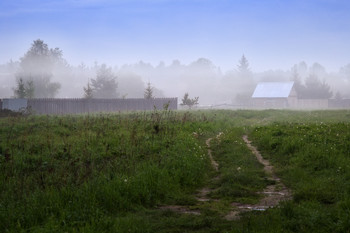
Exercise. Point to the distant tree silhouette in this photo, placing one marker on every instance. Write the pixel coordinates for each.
(317, 69)
(105, 84)
(299, 87)
(244, 81)
(186, 101)
(345, 71)
(315, 89)
(88, 91)
(24, 89)
(202, 63)
(243, 65)
(30, 89)
(20, 91)
(149, 91)
(338, 96)
(36, 68)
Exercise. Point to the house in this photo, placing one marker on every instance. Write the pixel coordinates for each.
(275, 95)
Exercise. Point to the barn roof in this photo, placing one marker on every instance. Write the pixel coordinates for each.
(273, 90)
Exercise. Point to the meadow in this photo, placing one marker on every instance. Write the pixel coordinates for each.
(115, 172)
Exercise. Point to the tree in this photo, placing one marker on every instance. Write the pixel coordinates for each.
(105, 85)
(315, 89)
(338, 96)
(186, 101)
(245, 82)
(24, 89)
(299, 87)
(148, 91)
(318, 69)
(345, 71)
(30, 89)
(36, 66)
(88, 92)
(243, 65)
(203, 64)
(20, 91)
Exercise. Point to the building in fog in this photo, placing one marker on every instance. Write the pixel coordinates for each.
(275, 95)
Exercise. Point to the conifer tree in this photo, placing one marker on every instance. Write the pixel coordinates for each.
(149, 91)
(88, 92)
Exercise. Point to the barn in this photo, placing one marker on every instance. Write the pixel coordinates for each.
(275, 95)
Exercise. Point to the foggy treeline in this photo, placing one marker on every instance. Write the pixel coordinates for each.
(200, 78)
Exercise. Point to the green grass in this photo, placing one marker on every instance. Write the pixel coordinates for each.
(241, 176)
(70, 170)
(314, 160)
(110, 172)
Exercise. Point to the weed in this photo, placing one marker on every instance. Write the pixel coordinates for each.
(110, 172)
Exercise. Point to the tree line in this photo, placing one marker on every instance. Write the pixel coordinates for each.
(34, 76)
(36, 71)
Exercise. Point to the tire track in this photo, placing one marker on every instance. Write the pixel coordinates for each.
(273, 194)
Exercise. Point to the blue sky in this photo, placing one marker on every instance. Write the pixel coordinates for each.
(273, 34)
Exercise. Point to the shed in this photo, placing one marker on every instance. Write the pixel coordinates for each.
(275, 95)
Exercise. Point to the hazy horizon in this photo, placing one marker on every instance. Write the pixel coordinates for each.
(272, 34)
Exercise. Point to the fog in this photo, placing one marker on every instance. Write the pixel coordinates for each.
(200, 78)
(43, 72)
(179, 47)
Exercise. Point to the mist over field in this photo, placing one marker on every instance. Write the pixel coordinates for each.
(261, 141)
(200, 78)
(177, 47)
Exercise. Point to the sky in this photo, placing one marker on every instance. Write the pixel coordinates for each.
(272, 34)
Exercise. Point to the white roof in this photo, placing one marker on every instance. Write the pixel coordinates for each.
(273, 90)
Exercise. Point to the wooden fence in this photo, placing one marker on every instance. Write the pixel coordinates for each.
(78, 106)
(312, 104)
(339, 104)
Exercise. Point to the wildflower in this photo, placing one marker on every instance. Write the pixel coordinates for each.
(219, 136)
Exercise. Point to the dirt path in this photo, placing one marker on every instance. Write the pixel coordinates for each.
(273, 194)
(202, 194)
(213, 162)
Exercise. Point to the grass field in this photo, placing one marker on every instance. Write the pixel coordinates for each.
(113, 172)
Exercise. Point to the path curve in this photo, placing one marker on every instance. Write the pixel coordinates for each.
(202, 194)
(213, 162)
(273, 194)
